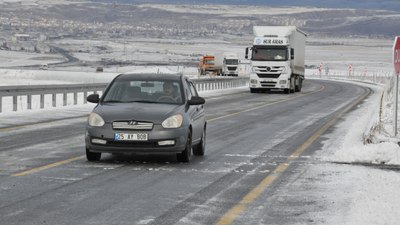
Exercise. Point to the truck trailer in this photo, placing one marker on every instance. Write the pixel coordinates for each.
(223, 64)
(277, 59)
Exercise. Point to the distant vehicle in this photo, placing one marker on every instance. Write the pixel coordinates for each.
(227, 63)
(223, 64)
(99, 69)
(44, 67)
(147, 113)
(206, 64)
(277, 58)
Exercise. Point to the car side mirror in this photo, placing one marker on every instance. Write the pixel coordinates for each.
(196, 100)
(93, 98)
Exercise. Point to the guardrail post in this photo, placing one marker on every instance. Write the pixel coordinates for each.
(29, 101)
(15, 102)
(76, 98)
(1, 103)
(85, 94)
(42, 101)
(54, 99)
(65, 98)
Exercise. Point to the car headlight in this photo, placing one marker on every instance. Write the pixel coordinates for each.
(95, 120)
(173, 121)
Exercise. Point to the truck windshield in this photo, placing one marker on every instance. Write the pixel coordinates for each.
(209, 61)
(231, 62)
(269, 54)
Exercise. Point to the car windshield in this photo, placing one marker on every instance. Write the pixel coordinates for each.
(144, 91)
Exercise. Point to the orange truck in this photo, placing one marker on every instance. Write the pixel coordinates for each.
(207, 64)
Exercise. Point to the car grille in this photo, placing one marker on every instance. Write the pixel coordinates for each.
(132, 125)
(231, 68)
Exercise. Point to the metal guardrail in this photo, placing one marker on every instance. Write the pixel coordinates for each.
(202, 84)
(209, 84)
(380, 78)
(42, 90)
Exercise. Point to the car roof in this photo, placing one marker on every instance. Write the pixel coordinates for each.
(150, 76)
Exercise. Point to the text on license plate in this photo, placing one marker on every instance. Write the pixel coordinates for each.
(130, 137)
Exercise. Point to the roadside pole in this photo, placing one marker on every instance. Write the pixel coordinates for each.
(396, 63)
(395, 95)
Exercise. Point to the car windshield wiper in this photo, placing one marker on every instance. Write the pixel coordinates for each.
(144, 101)
(112, 101)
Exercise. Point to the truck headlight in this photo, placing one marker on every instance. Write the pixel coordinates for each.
(95, 120)
(254, 69)
(173, 121)
(282, 81)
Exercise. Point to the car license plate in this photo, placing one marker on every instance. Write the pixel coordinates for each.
(130, 137)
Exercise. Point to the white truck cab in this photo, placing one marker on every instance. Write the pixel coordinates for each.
(277, 59)
(230, 64)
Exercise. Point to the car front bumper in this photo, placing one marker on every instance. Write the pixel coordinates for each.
(152, 145)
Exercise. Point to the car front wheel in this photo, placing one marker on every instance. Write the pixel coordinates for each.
(185, 155)
(92, 156)
(200, 148)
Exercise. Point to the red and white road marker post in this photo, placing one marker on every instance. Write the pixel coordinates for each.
(396, 63)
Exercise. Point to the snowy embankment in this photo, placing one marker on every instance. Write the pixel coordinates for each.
(361, 185)
(366, 135)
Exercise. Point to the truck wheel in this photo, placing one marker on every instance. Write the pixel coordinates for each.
(296, 84)
(292, 85)
(300, 84)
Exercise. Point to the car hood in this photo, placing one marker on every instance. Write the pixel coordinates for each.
(146, 112)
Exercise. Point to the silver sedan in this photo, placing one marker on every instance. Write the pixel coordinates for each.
(147, 113)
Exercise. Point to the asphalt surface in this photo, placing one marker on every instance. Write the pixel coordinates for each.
(257, 144)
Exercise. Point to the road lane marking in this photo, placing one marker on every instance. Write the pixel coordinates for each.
(37, 169)
(249, 198)
(48, 166)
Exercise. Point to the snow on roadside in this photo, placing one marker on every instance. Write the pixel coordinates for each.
(346, 144)
(358, 194)
(42, 77)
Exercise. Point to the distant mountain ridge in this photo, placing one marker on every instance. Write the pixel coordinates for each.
(393, 5)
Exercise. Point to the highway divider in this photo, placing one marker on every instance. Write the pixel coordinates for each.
(79, 92)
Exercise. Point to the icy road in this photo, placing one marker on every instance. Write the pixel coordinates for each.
(257, 168)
